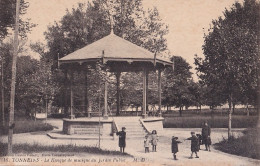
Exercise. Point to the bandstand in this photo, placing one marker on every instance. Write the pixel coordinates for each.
(117, 55)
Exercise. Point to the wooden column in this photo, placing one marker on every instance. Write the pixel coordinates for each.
(71, 95)
(105, 116)
(118, 74)
(147, 84)
(159, 93)
(85, 96)
(66, 96)
(144, 93)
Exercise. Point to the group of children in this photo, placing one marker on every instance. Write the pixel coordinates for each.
(152, 140)
(196, 141)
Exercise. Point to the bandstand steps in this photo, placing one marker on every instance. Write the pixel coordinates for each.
(133, 127)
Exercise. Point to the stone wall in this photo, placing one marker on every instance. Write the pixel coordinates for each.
(86, 127)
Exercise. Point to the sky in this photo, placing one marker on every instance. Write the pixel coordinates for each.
(187, 20)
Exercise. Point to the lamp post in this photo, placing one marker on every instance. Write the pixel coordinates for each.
(46, 108)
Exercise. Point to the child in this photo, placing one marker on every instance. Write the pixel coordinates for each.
(199, 136)
(146, 144)
(154, 140)
(208, 140)
(194, 145)
(175, 146)
(122, 136)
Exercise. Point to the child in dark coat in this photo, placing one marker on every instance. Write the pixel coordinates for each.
(208, 141)
(199, 136)
(175, 146)
(194, 145)
(122, 136)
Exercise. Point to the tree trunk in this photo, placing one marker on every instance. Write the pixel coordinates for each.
(35, 114)
(180, 111)
(233, 108)
(258, 82)
(247, 110)
(2, 90)
(12, 94)
(230, 116)
(211, 111)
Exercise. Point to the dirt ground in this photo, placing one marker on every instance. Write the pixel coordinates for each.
(135, 147)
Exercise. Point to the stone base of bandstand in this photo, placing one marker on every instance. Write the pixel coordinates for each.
(85, 128)
(153, 123)
(89, 128)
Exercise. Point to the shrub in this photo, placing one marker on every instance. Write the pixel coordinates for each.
(214, 122)
(246, 145)
(24, 126)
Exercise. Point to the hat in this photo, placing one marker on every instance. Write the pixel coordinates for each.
(123, 128)
(174, 137)
(192, 132)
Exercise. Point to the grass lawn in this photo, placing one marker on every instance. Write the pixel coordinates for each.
(27, 148)
(247, 145)
(195, 121)
(24, 126)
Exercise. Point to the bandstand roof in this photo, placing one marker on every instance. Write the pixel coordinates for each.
(113, 49)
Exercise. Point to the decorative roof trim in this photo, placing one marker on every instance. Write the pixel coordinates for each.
(105, 60)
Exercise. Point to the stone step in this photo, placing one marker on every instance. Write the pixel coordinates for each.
(122, 124)
(127, 121)
(134, 128)
(129, 127)
(130, 131)
(141, 134)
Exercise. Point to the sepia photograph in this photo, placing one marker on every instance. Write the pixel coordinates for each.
(129, 82)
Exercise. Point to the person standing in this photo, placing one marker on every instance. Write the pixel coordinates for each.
(194, 144)
(205, 132)
(154, 139)
(122, 136)
(199, 136)
(146, 144)
(175, 147)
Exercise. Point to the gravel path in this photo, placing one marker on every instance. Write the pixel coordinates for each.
(163, 156)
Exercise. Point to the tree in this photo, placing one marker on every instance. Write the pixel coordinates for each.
(5, 50)
(176, 88)
(196, 90)
(231, 52)
(26, 67)
(7, 18)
